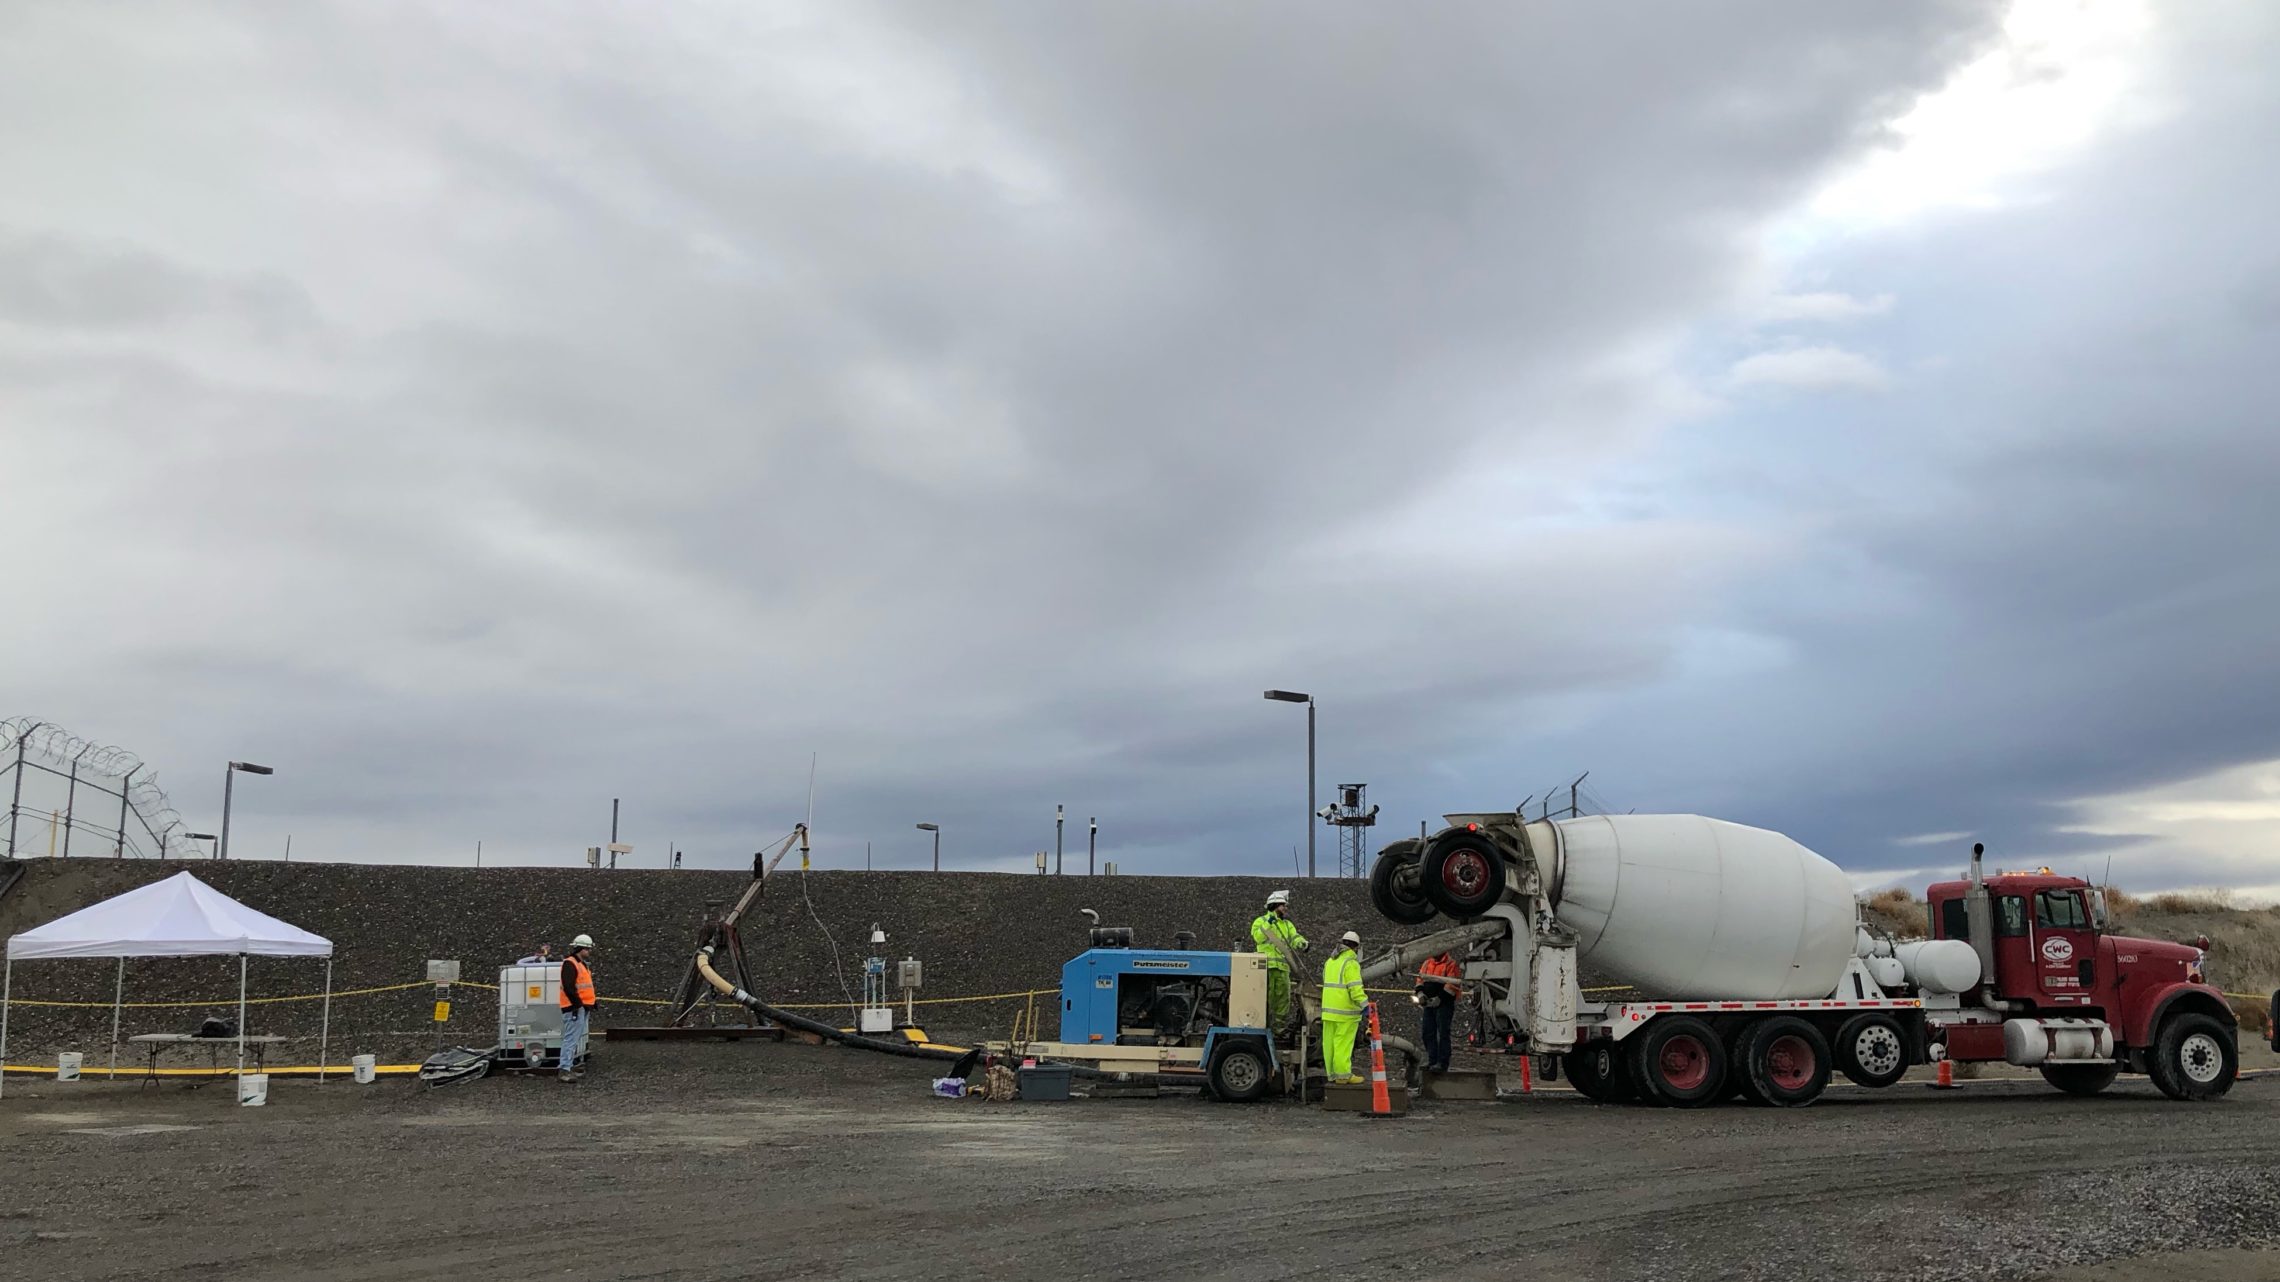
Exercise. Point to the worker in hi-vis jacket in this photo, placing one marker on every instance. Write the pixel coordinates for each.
(1276, 935)
(1344, 1006)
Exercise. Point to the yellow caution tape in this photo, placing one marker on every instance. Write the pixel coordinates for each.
(220, 1001)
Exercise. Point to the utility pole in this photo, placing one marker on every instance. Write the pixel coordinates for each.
(1057, 819)
(613, 831)
(1092, 844)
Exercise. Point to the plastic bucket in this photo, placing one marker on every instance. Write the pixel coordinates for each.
(365, 1068)
(67, 1066)
(253, 1090)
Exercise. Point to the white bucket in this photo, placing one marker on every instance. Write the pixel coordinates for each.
(67, 1066)
(366, 1068)
(253, 1089)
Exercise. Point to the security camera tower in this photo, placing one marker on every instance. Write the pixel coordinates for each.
(1353, 817)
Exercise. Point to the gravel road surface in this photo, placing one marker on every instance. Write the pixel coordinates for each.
(675, 1161)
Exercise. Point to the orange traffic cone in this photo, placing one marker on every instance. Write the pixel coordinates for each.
(1946, 1081)
(1381, 1102)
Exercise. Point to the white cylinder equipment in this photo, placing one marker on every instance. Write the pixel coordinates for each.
(1694, 908)
(1939, 965)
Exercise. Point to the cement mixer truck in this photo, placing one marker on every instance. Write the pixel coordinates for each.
(1751, 973)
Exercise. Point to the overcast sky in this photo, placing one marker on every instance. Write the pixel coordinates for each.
(1851, 419)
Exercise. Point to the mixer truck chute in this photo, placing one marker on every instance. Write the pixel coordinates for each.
(1765, 983)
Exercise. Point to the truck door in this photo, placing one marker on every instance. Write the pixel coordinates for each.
(2017, 969)
(2065, 947)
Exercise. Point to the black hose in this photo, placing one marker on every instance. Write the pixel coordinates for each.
(857, 1041)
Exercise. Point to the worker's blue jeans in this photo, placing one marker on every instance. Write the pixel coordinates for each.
(574, 1023)
(1439, 1021)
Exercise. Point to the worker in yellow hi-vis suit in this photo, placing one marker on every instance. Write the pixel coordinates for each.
(1276, 935)
(1344, 1006)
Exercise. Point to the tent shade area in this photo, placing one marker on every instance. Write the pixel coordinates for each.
(178, 917)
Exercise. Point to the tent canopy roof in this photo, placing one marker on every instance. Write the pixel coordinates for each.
(178, 917)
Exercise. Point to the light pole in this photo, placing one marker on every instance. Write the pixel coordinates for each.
(229, 777)
(1059, 816)
(1092, 844)
(1293, 696)
(206, 837)
(936, 829)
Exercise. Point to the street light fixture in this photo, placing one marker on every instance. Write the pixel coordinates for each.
(1293, 696)
(936, 829)
(201, 836)
(229, 777)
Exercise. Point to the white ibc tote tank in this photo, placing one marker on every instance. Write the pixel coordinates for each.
(1694, 908)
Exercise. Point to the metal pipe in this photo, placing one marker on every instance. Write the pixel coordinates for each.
(118, 992)
(1407, 955)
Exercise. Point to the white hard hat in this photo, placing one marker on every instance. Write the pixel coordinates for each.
(582, 941)
(1349, 938)
(1279, 897)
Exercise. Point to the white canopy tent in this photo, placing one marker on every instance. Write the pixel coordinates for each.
(178, 917)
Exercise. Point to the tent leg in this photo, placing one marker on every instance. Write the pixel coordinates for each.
(7, 984)
(241, 1015)
(324, 1030)
(118, 990)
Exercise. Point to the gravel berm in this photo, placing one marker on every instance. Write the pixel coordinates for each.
(977, 933)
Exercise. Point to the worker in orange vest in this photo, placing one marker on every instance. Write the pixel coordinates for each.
(577, 1006)
(1437, 993)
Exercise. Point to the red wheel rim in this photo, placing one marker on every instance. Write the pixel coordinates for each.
(1464, 872)
(1684, 1064)
(1790, 1062)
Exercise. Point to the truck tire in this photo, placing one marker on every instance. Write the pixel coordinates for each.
(2080, 1079)
(1394, 887)
(1678, 1060)
(1463, 874)
(1597, 1072)
(1239, 1073)
(1787, 1061)
(2194, 1057)
(1872, 1050)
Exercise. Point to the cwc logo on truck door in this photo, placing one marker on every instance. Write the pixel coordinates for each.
(2057, 949)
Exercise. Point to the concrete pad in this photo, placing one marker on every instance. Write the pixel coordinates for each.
(1459, 1084)
(1356, 1099)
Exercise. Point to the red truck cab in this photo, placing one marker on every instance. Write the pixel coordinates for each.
(2055, 961)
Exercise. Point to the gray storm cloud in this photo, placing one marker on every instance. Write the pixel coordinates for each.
(485, 414)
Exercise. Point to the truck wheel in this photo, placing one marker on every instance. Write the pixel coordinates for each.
(1239, 1074)
(1463, 874)
(1872, 1050)
(1394, 888)
(2193, 1058)
(1679, 1061)
(2080, 1079)
(1787, 1061)
(1597, 1072)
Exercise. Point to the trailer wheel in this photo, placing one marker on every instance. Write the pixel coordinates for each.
(1678, 1061)
(1872, 1050)
(1597, 1072)
(2193, 1058)
(2080, 1079)
(1787, 1061)
(1463, 874)
(1394, 888)
(1239, 1074)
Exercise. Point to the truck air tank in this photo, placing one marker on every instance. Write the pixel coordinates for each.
(1697, 909)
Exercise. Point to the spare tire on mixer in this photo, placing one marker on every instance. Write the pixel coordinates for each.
(1463, 874)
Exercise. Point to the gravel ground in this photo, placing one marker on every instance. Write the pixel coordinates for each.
(676, 1161)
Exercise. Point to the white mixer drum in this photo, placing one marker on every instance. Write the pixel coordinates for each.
(1693, 908)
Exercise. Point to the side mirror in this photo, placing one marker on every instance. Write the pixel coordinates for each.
(2098, 915)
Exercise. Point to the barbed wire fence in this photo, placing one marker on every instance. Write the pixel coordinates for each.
(110, 800)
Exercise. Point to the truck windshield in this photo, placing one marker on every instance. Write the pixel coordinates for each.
(2060, 910)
